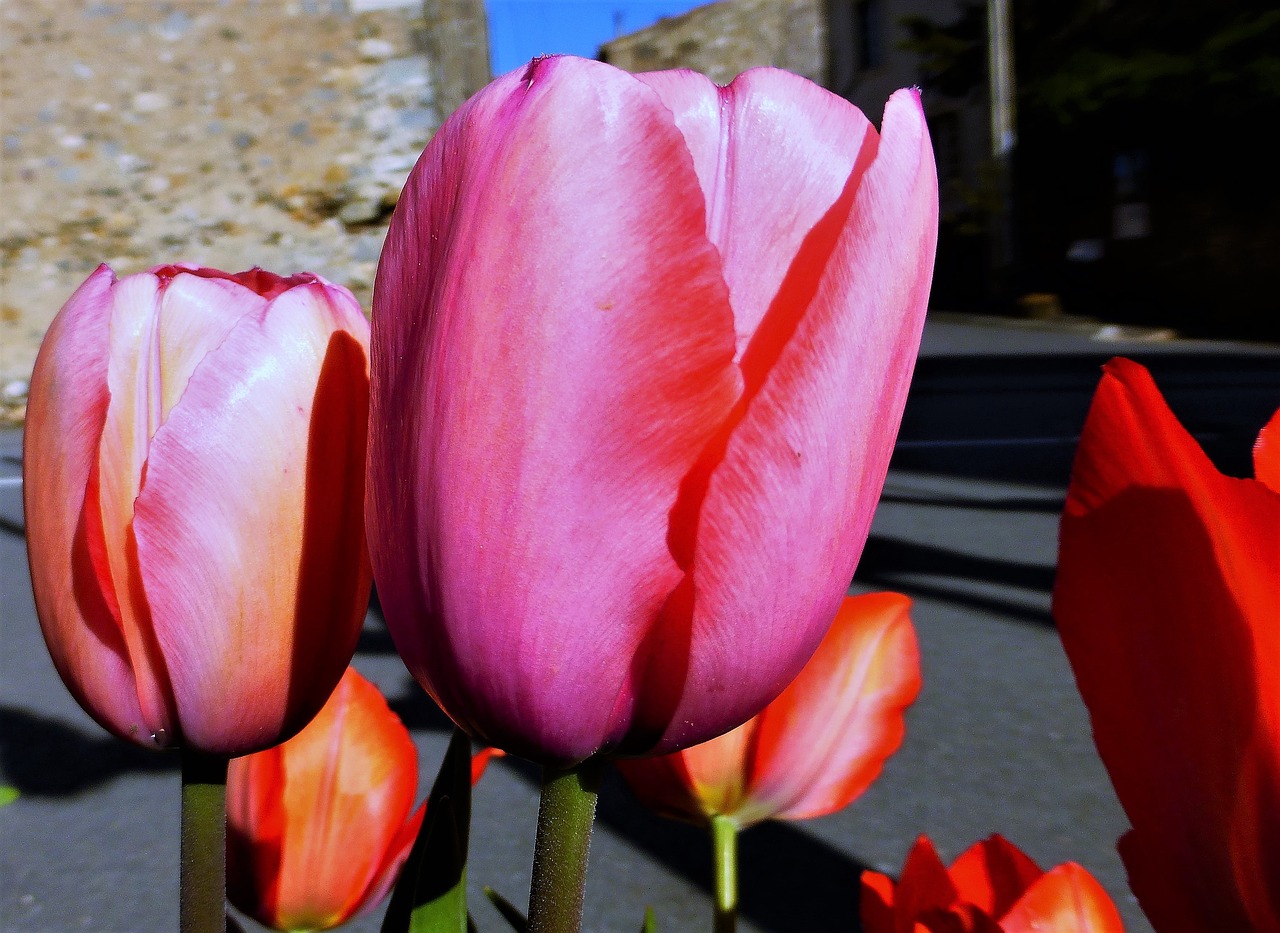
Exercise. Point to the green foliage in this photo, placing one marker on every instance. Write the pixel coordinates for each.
(431, 893)
(510, 912)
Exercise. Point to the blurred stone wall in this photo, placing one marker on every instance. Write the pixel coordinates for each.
(229, 133)
(723, 39)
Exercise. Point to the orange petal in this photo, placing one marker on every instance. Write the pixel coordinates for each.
(1066, 900)
(825, 739)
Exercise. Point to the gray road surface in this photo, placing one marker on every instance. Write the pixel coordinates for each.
(998, 742)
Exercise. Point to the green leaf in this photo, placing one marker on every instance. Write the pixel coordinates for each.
(650, 924)
(7, 795)
(509, 911)
(431, 894)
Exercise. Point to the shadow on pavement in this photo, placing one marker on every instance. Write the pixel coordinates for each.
(43, 757)
(776, 861)
(885, 561)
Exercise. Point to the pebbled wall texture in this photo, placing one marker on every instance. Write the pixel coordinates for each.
(229, 133)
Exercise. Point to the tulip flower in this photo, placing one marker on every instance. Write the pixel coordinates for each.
(193, 478)
(817, 746)
(808, 753)
(991, 888)
(1168, 604)
(319, 827)
(640, 350)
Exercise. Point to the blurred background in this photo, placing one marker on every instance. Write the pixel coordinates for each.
(1099, 159)
(1105, 187)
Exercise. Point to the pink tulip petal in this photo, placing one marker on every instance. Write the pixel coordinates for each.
(826, 380)
(220, 539)
(826, 737)
(68, 406)
(769, 138)
(544, 491)
(1066, 900)
(1266, 454)
(1166, 604)
(993, 874)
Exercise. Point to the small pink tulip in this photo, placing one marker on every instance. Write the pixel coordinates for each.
(193, 476)
(641, 347)
(816, 747)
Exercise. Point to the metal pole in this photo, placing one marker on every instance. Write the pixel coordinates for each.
(1003, 133)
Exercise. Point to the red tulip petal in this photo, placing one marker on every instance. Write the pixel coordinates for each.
(397, 854)
(1166, 604)
(662, 784)
(1066, 900)
(959, 918)
(480, 761)
(787, 509)
(993, 874)
(699, 782)
(534, 545)
(228, 532)
(1266, 454)
(825, 739)
(769, 138)
(255, 833)
(75, 597)
(876, 903)
(924, 886)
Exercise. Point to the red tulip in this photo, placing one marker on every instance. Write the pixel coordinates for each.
(1168, 604)
(813, 749)
(991, 888)
(641, 347)
(319, 827)
(193, 478)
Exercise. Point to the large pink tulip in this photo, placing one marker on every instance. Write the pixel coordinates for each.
(193, 477)
(640, 350)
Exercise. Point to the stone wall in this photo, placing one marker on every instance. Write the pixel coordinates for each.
(725, 38)
(275, 133)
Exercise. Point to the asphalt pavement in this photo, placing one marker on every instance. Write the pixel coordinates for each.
(998, 741)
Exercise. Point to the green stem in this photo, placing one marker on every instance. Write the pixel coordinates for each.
(203, 872)
(724, 841)
(565, 814)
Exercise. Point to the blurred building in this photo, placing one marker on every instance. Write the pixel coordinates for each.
(1140, 189)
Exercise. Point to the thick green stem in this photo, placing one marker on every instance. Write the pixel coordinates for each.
(724, 841)
(565, 814)
(203, 874)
